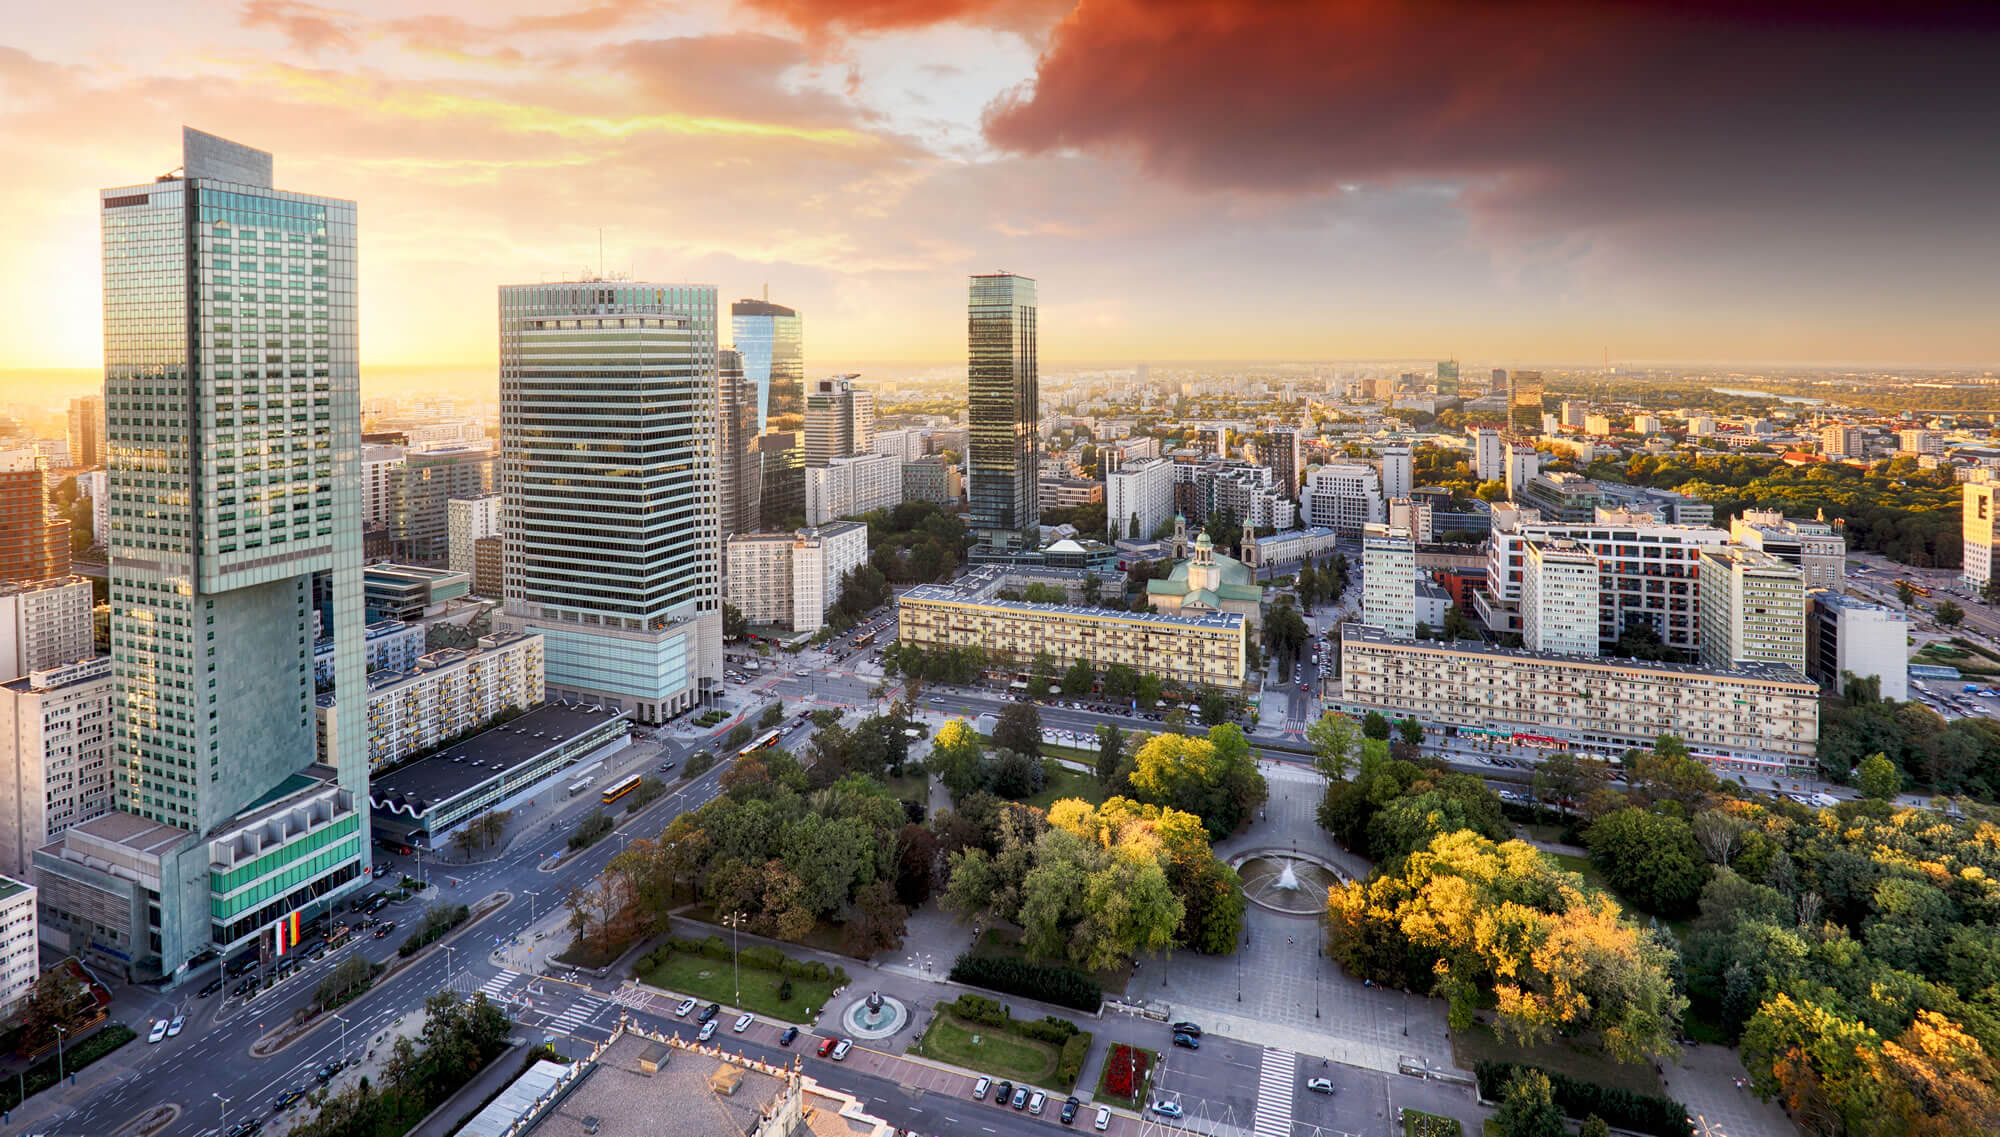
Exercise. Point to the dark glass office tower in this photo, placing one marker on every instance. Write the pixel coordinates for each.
(736, 467)
(772, 340)
(1004, 392)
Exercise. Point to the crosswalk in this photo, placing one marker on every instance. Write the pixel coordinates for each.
(1275, 1084)
(496, 987)
(580, 1012)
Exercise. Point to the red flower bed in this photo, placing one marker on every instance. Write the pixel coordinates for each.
(1125, 1070)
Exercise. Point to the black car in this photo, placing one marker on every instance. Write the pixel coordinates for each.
(287, 1098)
(210, 988)
(1188, 1028)
(1069, 1110)
(709, 1012)
(790, 1036)
(245, 1128)
(1187, 1040)
(384, 928)
(1003, 1094)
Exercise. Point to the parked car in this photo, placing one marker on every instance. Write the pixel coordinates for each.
(286, 1099)
(1103, 1118)
(826, 1046)
(210, 988)
(840, 1051)
(743, 1022)
(980, 1087)
(1003, 1093)
(1021, 1097)
(682, 1010)
(174, 1027)
(1320, 1085)
(707, 1030)
(1185, 1027)
(790, 1036)
(1036, 1101)
(1167, 1108)
(1069, 1110)
(1187, 1040)
(159, 1031)
(709, 1012)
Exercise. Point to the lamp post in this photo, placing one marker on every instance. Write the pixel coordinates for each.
(60, 1033)
(532, 896)
(736, 952)
(225, 1108)
(343, 1030)
(450, 963)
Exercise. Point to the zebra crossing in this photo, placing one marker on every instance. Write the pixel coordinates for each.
(496, 987)
(1275, 1084)
(582, 1011)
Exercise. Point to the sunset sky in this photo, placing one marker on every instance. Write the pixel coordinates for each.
(1186, 178)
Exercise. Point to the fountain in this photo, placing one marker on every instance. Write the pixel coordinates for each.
(1288, 883)
(874, 1016)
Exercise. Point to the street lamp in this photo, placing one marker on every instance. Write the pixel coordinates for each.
(450, 963)
(343, 1030)
(60, 1033)
(736, 952)
(532, 896)
(225, 1108)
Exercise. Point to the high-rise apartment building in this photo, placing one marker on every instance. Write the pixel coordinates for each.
(1819, 549)
(232, 387)
(608, 455)
(442, 695)
(840, 420)
(1840, 440)
(20, 944)
(86, 431)
(44, 624)
(1753, 609)
(1398, 477)
(1524, 402)
(420, 490)
(379, 463)
(737, 472)
(1004, 408)
(789, 580)
(930, 479)
(1846, 637)
(1139, 499)
(489, 572)
(1280, 449)
(849, 487)
(1915, 440)
(1979, 529)
(771, 339)
(1489, 460)
(906, 444)
(467, 521)
(1523, 465)
(34, 543)
(1389, 580)
(1571, 413)
(55, 735)
(1559, 606)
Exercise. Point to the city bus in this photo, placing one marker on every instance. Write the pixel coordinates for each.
(769, 738)
(578, 786)
(620, 788)
(1919, 589)
(864, 639)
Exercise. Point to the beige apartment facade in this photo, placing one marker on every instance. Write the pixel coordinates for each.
(1206, 650)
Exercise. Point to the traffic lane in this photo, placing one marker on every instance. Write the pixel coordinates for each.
(1217, 1082)
(1351, 1105)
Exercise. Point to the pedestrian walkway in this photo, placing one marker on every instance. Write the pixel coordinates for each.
(496, 987)
(582, 1011)
(1274, 1094)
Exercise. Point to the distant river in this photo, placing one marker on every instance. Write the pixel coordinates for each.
(1746, 393)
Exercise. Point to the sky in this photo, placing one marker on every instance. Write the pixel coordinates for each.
(1540, 180)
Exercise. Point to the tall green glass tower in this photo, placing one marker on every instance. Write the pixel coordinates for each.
(232, 397)
(1003, 409)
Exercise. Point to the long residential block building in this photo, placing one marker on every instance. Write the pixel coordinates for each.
(1209, 649)
(849, 487)
(55, 741)
(446, 694)
(43, 624)
(1761, 719)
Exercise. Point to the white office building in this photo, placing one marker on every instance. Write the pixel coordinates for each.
(43, 624)
(1139, 498)
(55, 741)
(1753, 609)
(1389, 580)
(1398, 478)
(379, 463)
(1345, 497)
(609, 439)
(849, 487)
(1978, 526)
(467, 520)
(1559, 585)
(789, 580)
(1489, 459)
(1845, 636)
(20, 944)
(1815, 546)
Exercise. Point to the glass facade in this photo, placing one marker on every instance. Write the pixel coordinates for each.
(232, 410)
(608, 409)
(772, 340)
(1004, 395)
(1524, 403)
(737, 466)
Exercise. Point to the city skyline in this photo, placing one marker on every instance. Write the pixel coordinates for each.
(1633, 189)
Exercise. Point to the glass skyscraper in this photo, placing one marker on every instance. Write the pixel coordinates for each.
(737, 466)
(772, 340)
(1004, 395)
(232, 397)
(608, 447)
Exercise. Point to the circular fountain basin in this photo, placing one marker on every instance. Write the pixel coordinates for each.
(1287, 883)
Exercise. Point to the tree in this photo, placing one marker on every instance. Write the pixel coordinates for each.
(1110, 752)
(1120, 681)
(1528, 1107)
(1214, 705)
(1079, 679)
(1147, 691)
(1905, 593)
(1336, 745)
(1878, 778)
(1019, 729)
(1650, 859)
(1949, 613)
(772, 716)
(738, 737)
(734, 624)
(1456, 626)
(1412, 731)
(1213, 778)
(1014, 775)
(956, 759)
(1284, 636)
(1375, 726)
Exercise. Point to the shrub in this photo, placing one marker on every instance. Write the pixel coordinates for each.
(980, 1009)
(764, 958)
(1046, 982)
(699, 764)
(1640, 1113)
(1047, 1029)
(592, 829)
(1069, 1064)
(784, 991)
(438, 920)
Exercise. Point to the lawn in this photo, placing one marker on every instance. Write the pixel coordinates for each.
(988, 1050)
(1064, 782)
(1579, 1058)
(713, 981)
(915, 786)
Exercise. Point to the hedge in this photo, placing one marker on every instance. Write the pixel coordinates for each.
(74, 1057)
(1640, 1113)
(761, 957)
(980, 1009)
(437, 922)
(1069, 1064)
(1048, 983)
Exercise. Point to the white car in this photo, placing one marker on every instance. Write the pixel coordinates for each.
(707, 1031)
(1103, 1118)
(840, 1051)
(174, 1027)
(159, 1030)
(682, 1010)
(1320, 1085)
(743, 1022)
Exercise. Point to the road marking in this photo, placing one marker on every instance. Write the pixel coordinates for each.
(1274, 1094)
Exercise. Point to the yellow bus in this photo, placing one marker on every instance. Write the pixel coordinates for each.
(619, 789)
